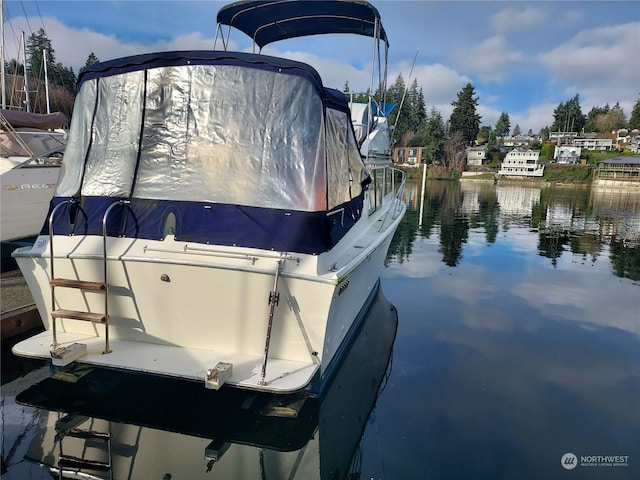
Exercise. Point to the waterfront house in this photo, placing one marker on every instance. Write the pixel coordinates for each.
(476, 156)
(630, 140)
(522, 163)
(567, 154)
(618, 171)
(521, 141)
(598, 141)
(407, 156)
(562, 135)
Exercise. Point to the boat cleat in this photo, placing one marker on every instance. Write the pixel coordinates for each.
(217, 375)
(63, 356)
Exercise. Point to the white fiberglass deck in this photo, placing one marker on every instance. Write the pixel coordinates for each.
(281, 376)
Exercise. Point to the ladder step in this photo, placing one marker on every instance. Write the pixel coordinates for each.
(75, 315)
(98, 437)
(67, 461)
(81, 284)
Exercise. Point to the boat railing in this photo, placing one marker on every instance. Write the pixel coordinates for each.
(6, 125)
(398, 182)
(104, 266)
(387, 186)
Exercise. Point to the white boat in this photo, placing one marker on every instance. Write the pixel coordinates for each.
(31, 147)
(112, 424)
(214, 219)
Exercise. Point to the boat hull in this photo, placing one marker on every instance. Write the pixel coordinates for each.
(178, 310)
(24, 200)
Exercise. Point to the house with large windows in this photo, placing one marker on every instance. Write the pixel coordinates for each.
(522, 163)
(567, 154)
(407, 156)
(618, 171)
(476, 156)
(598, 141)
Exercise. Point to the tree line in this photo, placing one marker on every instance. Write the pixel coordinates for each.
(445, 142)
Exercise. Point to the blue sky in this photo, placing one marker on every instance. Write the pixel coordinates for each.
(522, 57)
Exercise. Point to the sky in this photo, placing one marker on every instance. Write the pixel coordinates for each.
(522, 57)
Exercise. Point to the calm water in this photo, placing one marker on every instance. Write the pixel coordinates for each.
(517, 343)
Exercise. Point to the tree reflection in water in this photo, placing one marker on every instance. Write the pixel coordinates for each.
(581, 220)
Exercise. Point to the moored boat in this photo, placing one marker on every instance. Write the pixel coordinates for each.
(31, 147)
(216, 218)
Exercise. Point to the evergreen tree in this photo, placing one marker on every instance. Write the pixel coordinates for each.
(37, 44)
(464, 118)
(416, 107)
(421, 108)
(432, 136)
(503, 125)
(568, 117)
(400, 115)
(65, 77)
(14, 67)
(634, 120)
(484, 135)
(516, 130)
(590, 125)
(410, 108)
(92, 60)
(544, 133)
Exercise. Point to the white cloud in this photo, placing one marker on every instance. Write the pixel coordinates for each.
(600, 64)
(488, 115)
(440, 86)
(334, 73)
(518, 19)
(490, 59)
(73, 46)
(572, 16)
(535, 117)
(572, 296)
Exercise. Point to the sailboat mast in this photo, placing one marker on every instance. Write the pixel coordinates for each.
(3, 87)
(26, 75)
(46, 78)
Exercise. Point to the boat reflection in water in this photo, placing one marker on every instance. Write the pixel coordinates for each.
(114, 424)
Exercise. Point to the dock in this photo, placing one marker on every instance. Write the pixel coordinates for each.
(18, 310)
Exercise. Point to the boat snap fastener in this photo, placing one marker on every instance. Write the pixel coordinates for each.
(165, 278)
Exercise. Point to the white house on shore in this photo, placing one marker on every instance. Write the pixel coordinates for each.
(596, 142)
(476, 156)
(522, 163)
(567, 154)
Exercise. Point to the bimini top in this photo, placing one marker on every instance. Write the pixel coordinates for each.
(242, 149)
(270, 21)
